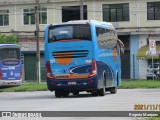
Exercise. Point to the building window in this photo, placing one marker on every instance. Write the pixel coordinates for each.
(153, 10)
(116, 12)
(29, 16)
(4, 17)
(43, 16)
(73, 13)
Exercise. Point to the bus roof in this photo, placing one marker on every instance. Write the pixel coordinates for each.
(3, 45)
(89, 21)
(86, 21)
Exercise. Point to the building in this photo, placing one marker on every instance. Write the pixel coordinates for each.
(137, 21)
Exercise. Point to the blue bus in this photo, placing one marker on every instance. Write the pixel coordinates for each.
(10, 65)
(82, 55)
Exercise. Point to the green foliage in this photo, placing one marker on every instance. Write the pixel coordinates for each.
(8, 39)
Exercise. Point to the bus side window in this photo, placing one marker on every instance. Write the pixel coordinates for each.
(106, 38)
(101, 37)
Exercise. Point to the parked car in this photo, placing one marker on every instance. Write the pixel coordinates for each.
(153, 72)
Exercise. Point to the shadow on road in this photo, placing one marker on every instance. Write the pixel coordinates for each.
(51, 95)
(83, 95)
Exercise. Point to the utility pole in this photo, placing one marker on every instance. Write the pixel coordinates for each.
(81, 9)
(37, 40)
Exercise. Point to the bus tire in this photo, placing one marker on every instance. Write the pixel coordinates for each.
(58, 93)
(95, 93)
(113, 90)
(76, 93)
(102, 91)
(65, 94)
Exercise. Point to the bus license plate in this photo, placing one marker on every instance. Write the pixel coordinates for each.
(72, 83)
(11, 83)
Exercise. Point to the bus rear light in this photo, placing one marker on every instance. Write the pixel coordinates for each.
(93, 69)
(48, 69)
(87, 23)
(0, 74)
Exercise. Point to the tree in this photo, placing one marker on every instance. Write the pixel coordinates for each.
(8, 39)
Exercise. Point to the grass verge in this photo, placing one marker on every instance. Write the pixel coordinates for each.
(140, 84)
(26, 87)
(154, 118)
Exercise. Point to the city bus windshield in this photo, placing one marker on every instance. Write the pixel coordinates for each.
(69, 32)
(9, 54)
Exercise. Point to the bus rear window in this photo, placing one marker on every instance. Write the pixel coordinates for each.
(10, 56)
(69, 32)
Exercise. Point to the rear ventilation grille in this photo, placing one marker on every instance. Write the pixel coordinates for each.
(70, 54)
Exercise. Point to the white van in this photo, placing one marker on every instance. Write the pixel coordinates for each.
(152, 71)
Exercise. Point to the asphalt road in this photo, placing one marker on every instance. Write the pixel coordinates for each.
(124, 100)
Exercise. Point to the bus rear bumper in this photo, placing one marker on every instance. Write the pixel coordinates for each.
(8, 83)
(72, 85)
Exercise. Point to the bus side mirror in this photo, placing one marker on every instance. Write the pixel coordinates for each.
(122, 48)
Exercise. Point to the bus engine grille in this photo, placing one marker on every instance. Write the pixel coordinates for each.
(70, 54)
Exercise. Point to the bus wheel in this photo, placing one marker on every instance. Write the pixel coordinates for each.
(65, 94)
(58, 93)
(113, 90)
(76, 93)
(102, 91)
(95, 93)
